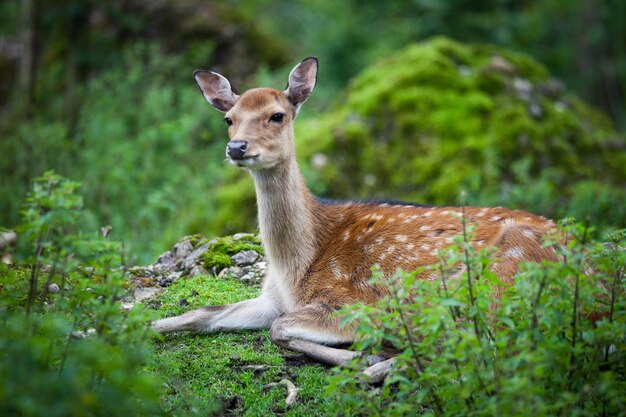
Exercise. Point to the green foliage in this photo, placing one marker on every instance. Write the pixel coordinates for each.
(66, 346)
(552, 344)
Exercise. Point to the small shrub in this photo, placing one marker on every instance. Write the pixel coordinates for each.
(552, 344)
(66, 347)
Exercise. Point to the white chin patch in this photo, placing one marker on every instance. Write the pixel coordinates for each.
(244, 163)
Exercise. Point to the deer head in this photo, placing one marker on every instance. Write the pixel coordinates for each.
(260, 121)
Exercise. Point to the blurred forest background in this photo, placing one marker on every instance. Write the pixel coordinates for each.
(411, 104)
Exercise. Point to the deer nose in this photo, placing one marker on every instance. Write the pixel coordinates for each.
(236, 149)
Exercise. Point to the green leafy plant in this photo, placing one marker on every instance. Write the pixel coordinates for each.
(551, 344)
(66, 346)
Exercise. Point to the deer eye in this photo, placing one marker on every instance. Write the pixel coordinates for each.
(277, 117)
(228, 121)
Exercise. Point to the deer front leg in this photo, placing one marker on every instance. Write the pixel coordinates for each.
(257, 313)
(309, 331)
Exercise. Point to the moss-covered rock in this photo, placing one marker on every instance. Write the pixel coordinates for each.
(218, 254)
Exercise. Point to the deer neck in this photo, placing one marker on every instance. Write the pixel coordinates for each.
(287, 215)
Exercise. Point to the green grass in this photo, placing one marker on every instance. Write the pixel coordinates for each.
(206, 374)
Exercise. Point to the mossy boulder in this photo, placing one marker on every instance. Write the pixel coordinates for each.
(441, 117)
(220, 251)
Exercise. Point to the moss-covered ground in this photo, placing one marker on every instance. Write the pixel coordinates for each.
(215, 374)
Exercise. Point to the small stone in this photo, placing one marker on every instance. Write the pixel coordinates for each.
(127, 306)
(233, 272)
(247, 257)
(239, 236)
(167, 281)
(535, 110)
(145, 293)
(54, 288)
(374, 359)
(190, 261)
(524, 88)
(197, 270)
(182, 249)
(500, 64)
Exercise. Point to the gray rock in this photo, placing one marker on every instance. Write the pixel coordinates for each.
(146, 293)
(179, 252)
(247, 257)
(192, 260)
(239, 236)
(535, 110)
(197, 270)
(167, 281)
(233, 272)
(54, 288)
(524, 88)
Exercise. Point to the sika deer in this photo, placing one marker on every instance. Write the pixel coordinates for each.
(320, 253)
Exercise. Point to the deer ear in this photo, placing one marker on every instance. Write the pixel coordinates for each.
(216, 89)
(302, 80)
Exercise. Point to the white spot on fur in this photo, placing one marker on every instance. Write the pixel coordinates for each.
(346, 235)
(528, 232)
(514, 253)
(384, 205)
(445, 212)
(334, 267)
(449, 240)
(409, 247)
(424, 228)
(376, 216)
(495, 218)
(427, 214)
(480, 242)
(400, 238)
(379, 240)
(391, 219)
(425, 247)
(390, 249)
(509, 222)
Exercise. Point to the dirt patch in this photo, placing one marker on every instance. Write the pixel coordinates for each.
(231, 406)
(298, 360)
